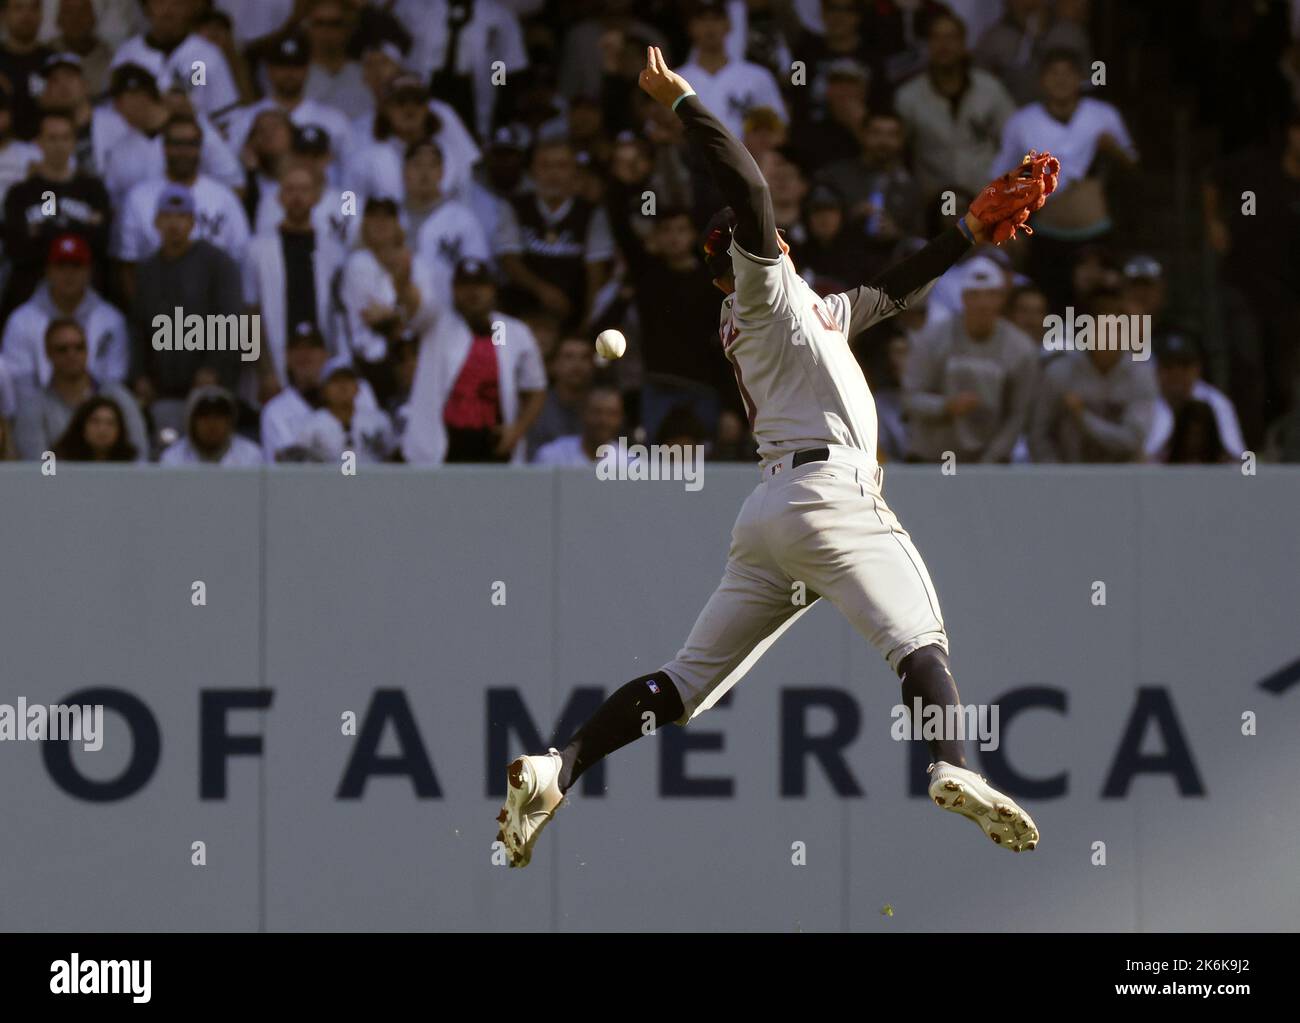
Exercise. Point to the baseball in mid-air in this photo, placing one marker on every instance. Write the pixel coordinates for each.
(611, 344)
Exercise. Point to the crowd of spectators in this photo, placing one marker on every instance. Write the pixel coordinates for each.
(424, 211)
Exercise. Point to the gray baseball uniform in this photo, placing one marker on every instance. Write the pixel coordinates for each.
(824, 523)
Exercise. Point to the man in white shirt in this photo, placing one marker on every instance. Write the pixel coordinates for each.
(602, 418)
(445, 230)
(210, 437)
(1086, 135)
(126, 136)
(484, 33)
(285, 416)
(286, 73)
(386, 291)
(219, 215)
(728, 87)
(344, 423)
(1178, 372)
(289, 274)
(176, 55)
(66, 294)
(407, 114)
(333, 78)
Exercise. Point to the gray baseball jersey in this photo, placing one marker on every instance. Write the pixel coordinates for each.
(818, 530)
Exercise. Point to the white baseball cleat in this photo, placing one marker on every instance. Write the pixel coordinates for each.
(966, 793)
(532, 797)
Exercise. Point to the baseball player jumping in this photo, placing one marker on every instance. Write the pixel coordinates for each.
(817, 515)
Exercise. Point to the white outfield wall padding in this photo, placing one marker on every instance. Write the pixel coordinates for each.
(373, 596)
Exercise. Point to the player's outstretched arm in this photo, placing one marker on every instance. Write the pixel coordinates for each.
(1001, 209)
(732, 168)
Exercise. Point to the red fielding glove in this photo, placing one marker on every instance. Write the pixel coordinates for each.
(1005, 203)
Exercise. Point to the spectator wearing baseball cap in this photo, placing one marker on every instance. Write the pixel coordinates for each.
(287, 60)
(192, 274)
(219, 215)
(66, 89)
(79, 204)
(344, 423)
(1178, 371)
(79, 36)
(1146, 292)
(479, 380)
(289, 272)
(127, 137)
(169, 50)
(970, 382)
(491, 34)
(334, 77)
(210, 438)
(309, 147)
(46, 413)
(444, 229)
(500, 175)
(66, 292)
(406, 113)
(285, 415)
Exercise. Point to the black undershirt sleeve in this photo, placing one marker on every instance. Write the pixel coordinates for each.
(737, 176)
(905, 282)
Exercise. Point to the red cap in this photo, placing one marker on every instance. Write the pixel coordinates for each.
(69, 248)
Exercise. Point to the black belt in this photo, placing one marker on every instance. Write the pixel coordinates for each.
(810, 455)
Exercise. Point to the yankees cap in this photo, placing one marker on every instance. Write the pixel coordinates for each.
(311, 140)
(338, 364)
(57, 60)
(1177, 346)
(510, 136)
(473, 271)
(982, 274)
(847, 67)
(292, 50)
(306, 333)
(132, 78)
(406, 87)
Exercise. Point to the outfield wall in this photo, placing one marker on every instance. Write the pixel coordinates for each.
(325, 594)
